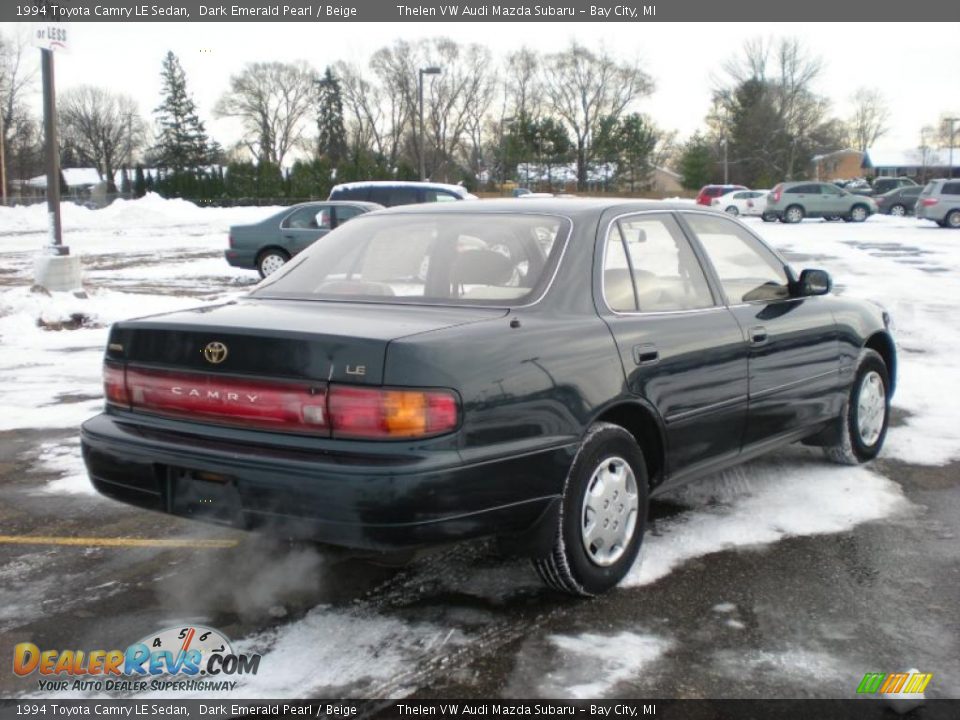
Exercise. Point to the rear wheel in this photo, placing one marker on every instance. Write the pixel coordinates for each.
(602, 515)
(859, 213)
(898, 210)
(768, 217)
(793, 214)
(732, 210)
(271, 260)
(952, 220)
(865, 415)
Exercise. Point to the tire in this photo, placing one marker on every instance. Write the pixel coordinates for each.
(768, 217)
(859, 213)
(952, 220)
(859, 441)
(793, 214)
(898, 210)
(581, 562)
(732, 210)
(271, 260)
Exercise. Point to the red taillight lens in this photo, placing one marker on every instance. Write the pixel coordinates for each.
(260, 404)
(115, 385)
(376, 413)
(927, 202)
(231, 241)
(776, 193)
(345, 411)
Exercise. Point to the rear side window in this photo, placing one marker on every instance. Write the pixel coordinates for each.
(951, 188)
(804, 189)
(747, 270)
(430, 196)
(650, 267)
(911, 191)
(308, 218)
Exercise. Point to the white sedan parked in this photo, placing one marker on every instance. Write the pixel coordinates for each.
(742, 202)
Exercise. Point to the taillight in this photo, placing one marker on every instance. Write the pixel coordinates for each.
(376, 413)
(115, 385)
(343, 411)
(776, 193)
(231, 241)
(927, 202)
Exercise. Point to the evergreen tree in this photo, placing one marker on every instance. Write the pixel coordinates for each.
(139, 182)
(124, 181)
(182, 144)
(332, 138)
(696, 163)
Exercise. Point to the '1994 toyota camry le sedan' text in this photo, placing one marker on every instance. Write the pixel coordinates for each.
(428, 374)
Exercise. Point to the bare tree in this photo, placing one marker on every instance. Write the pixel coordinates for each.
(273, 102)
(868, 123)
(584, 88)
(523, 84)
(17, 78)
(102, 128)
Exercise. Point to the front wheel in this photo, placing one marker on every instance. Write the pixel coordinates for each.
(898, 210)
(602, 515)
(732, 210)
(865, 414)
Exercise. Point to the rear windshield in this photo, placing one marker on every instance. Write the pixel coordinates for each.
(468, 259)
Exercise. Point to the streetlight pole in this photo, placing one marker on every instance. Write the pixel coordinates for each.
(951, 120)
(432, 70)
(53, 153)
(3, 162)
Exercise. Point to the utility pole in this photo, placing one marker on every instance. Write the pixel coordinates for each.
(53, 153)
(432, 70)
(951, 120)
(3, 162)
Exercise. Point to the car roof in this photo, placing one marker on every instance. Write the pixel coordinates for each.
(567, 207)
(336, 203)
(459, 189)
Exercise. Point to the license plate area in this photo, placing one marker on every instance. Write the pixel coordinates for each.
(204, 495)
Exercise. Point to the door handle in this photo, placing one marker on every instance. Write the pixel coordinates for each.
(758, 335)
(646, 354)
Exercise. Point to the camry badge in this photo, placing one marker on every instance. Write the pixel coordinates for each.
(215, 352)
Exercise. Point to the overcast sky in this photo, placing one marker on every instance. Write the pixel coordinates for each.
(914, 64)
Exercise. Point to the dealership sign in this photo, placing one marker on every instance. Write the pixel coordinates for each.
(49, 35)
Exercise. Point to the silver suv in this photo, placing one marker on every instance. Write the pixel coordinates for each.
(791, 202)
(940, 202)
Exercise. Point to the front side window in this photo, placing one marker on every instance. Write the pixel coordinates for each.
(650, 267)
(468, 259)
(747, 270)
(345, 212)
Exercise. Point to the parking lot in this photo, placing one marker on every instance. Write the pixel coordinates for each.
(785, 577)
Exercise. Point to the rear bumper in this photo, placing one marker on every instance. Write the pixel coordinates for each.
(333, 498)
(240, 259)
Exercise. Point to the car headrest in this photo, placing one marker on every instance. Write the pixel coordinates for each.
(482, 267)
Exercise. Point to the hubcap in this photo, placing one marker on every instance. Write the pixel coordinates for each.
(608, 518)
(794, 215)
(871, 408)
(898, 211)
(859, 214)
(271, 263)
(954, 220)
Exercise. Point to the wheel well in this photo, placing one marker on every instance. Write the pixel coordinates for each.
(881, 343)
(640, 423)
(264, 250)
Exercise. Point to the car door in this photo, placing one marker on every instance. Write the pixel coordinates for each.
(833, 201)
(681, 349)
(806, 196)
(794, 367)
(304, 226)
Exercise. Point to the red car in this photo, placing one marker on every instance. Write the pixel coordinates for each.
(709, 192)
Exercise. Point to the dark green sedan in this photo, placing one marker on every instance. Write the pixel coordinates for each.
(267, 245)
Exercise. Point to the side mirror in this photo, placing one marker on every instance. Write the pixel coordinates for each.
(814, 282)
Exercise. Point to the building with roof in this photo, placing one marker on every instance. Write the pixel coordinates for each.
(918, 164)
(839, 165)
